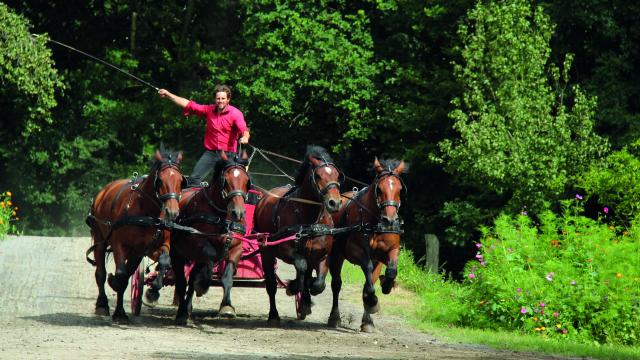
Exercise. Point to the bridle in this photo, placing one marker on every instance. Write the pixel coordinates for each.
(227, 195)
(383, 204)
(323, 191)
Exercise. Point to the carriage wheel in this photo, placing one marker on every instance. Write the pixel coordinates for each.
(137, 288)
(298, 300)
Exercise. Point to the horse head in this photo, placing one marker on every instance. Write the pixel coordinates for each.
(168, 182)
(388, 186)
(323, 177)
(234, 183)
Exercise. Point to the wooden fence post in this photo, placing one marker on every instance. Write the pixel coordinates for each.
(433, 252)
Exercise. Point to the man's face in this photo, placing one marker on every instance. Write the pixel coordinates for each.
(222, 100)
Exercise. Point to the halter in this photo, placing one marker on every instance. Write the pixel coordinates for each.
(156, 183)
(223, 182)
(382, 205)
(322, 192)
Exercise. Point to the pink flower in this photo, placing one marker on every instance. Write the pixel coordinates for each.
(606, 210)
(518, 290)
(578, 197)
(541, 305)
(472, 276)
(478, 245)
(555, 314)
(523, 310)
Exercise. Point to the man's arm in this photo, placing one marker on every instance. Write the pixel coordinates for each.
(180, 101)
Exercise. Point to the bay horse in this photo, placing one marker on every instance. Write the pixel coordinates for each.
(216, 211)
(283, 209)
(375, 241)
(128, 217)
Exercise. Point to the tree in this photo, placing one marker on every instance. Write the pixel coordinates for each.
(518, 138)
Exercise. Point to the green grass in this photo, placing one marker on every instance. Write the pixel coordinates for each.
(436, 308)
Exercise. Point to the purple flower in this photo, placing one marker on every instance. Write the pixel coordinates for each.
(478, 245)
(578, 197)
(482, 263)
(606, 210)
(549, 276)
(518, 290)
(523, 310)
(472, 276)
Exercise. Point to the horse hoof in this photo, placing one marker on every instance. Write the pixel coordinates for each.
(367, 328)
(151, 297)
(227, 312)
(120, 319)
(334, 322)
(181, 321)
(102, 311)
(372, 309)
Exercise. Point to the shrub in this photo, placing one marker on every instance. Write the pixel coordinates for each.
(8, 215)
(567, 277)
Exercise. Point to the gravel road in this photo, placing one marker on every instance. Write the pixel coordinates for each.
(47, 297)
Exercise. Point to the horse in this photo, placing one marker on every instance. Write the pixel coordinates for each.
(216, 212)
(128, 217)
(373, 214)
(315, 195)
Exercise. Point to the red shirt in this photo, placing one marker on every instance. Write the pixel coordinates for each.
(223, 129)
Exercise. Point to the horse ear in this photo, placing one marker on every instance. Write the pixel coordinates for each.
(158, 155)
(376, 165)
(223, 155)
(179, 157)
(314, 161)
(400, 168)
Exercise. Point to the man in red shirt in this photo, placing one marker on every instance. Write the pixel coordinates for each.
(225, 123)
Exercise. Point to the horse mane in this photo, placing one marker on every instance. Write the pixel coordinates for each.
(231, 161)
(390, 164)
(315, 151)
(168, 155)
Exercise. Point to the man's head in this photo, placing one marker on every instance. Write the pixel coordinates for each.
(223, 96)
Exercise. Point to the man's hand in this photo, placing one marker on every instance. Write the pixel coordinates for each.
(244, 140)
(164, 93)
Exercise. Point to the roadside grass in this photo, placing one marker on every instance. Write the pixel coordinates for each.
(430, 304)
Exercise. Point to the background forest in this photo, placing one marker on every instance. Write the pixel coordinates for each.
(500, 107)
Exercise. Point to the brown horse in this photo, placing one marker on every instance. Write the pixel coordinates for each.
(216, 212)
(128, 217)
(375, 240)
(285, 210)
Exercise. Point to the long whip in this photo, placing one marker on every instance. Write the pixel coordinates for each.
(100, 61)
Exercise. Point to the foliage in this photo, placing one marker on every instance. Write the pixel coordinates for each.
(309, 63)
(517, 136)
(615, 182)
(567, 277)
(8, 215)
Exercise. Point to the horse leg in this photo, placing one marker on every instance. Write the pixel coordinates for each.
(389, 278)
(268, 267)
(305, 303)
(319, 283)
(300, 264)
(202, 277)
(369, 298)
(180, 290)
(335, 266)
(119, 282)
(226, 309)
(186, 301)
(102, 303)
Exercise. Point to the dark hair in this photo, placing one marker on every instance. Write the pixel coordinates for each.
(222, 88)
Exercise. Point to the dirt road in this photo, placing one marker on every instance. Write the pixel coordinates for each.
(47, 296)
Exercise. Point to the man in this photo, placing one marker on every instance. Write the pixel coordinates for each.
(224, 124)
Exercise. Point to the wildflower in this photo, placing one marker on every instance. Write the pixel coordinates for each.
(2, 204)
(537, 329)
(479, 256)
(523, 310)
(541, 305)
(9, 202)
(573, 282)
(535, 319)
(482, 263)
(555, 314)
(578, 197)
(564, 331)
(619, 276)
(9, 193)
(478, 245)
(543, 328)
(472, 276)
(518, 290)
(549, 276)
(606, 210)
